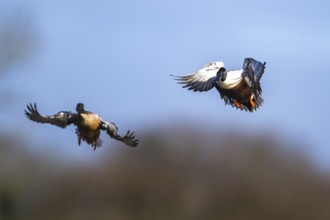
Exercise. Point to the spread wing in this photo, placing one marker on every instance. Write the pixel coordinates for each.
(61, 119)
(252, 73)
(112, 130)
(202, 80)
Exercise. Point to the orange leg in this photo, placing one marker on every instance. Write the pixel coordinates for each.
(238, 105)
(252, 102)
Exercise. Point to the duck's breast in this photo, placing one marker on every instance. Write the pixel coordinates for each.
(233, 79)
(90, 121)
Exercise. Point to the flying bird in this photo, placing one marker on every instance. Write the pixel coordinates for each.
(239, 88)
(88, 125)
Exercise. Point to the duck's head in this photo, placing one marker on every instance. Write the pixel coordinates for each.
(80, 108)
(222, 74)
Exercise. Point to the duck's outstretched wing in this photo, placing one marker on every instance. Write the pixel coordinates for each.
(203, 80)
(61, 119)
(252, 73)
(112, 130)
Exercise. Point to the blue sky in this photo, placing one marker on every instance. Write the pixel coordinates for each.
(117, 57)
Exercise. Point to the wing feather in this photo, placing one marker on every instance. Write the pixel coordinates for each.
(112, 130)
(61, 119)
(202, 80)
(252, 73)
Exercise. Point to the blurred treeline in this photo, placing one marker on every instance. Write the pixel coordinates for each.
(182, 174)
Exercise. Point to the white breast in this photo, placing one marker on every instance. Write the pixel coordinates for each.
(233, 79)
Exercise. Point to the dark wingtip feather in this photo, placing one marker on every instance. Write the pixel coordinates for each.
(130, 139)
(176, 77)
(179, 79)
(31, 109)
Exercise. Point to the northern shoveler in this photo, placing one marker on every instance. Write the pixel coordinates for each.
(239, 88)
(88, 125)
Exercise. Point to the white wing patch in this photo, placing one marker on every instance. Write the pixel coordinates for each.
(203, 79)
(213, 65)
(233, 79)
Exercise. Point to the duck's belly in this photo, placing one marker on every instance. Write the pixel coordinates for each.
(89, 135)
(240, 93)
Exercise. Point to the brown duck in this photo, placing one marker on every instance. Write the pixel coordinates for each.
(89, 125)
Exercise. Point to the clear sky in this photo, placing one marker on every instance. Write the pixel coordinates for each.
(117, 57)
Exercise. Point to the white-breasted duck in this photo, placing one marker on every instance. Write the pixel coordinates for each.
(88, 125)
(239, 88)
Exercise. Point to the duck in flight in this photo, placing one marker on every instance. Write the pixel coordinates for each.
(239, 88)
(88, 125)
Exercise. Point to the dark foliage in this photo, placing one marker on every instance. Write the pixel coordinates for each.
(190, 176)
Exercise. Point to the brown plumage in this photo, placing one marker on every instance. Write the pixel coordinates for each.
(240, 94)
(89, 125)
